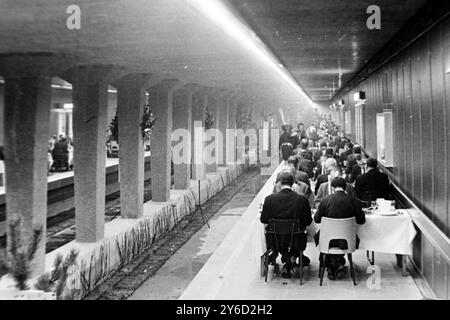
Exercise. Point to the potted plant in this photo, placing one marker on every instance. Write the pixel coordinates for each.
(209, 120)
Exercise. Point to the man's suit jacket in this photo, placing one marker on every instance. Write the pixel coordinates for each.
(344, 156)
(306, 166)
(375, 182)
(324, 191)
(340, 206)
(286, 205)
(351, 161)
(322, 178)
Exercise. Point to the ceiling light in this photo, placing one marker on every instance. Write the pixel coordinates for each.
(219, 14)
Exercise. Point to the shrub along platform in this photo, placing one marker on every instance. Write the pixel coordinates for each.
(127, 238)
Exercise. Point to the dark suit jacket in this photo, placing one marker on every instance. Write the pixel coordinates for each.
(287, 204)
(344, 156)
(340, 206)
(354, 173)
(375, 182)
(351, 161)
(289, 138)
(320, 179)
(306, 166)
(317, 156)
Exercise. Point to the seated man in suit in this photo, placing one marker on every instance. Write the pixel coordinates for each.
(287, 204)
(289, 168)
(326, 188)
(302, 149)
(319, 153)
(344, 155)
(286, 151)
(338, 205)
(352, 158)
(302, 188)
(321, 178)
(373, 183)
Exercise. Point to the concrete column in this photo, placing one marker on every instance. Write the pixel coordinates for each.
(182, 119)
(240, 149)
(213, 109)
(223, 122)
(26, 115)
(161, 100)
(131, 100)
(232, 125)
(199, 103)
(90, 100)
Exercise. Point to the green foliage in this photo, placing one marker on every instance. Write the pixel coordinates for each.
(58, 278)
(209, 120)
(22, 255)
(43, 283)
(245, 120)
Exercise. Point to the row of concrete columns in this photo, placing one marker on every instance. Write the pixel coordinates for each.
(27, 109)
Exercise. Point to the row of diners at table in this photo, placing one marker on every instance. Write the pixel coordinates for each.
(325, 182)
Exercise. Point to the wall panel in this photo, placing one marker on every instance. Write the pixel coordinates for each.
(440, 151)
(401, 124)
(426, 125)
(409, 124)
(417, 125)
(417, 83)
(446, 57)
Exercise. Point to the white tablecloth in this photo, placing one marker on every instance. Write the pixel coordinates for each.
(387, 234)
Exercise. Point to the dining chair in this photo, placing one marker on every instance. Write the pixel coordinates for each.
(337, 229)
(291, 231)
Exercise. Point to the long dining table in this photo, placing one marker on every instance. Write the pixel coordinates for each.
(383, 232)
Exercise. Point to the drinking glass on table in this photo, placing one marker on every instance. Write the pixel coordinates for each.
(373, 205)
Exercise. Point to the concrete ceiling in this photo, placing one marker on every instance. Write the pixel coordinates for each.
(315, 40)
(319, 40)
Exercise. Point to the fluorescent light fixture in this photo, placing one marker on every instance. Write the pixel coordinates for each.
(280, 110)
(219, 14)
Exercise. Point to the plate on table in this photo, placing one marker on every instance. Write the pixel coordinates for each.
(387, 213)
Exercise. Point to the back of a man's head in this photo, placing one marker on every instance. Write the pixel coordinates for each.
(286, 150)
(372, 163)
(338, 182)
(304, 144)
(286, 178)
(293, 160)
(329, 152)
(356, 149)
(334, 170)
